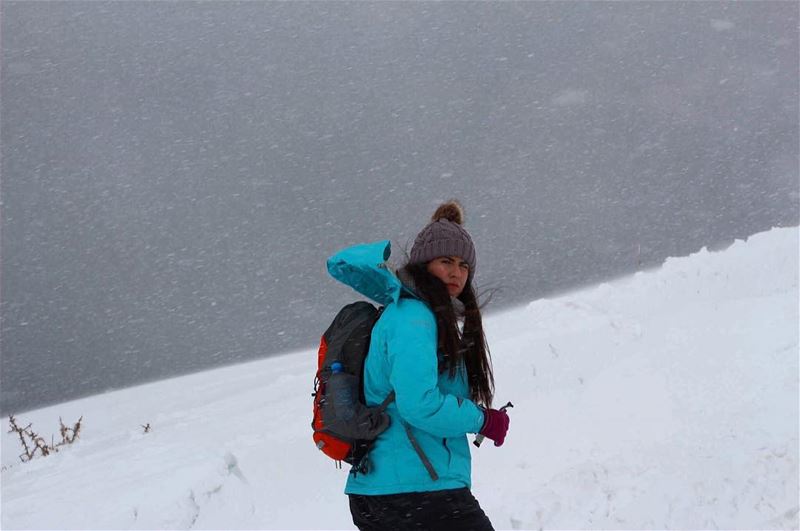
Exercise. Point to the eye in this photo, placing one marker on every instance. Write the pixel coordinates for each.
(464, 266)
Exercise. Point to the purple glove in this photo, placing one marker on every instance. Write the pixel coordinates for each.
(495, 425)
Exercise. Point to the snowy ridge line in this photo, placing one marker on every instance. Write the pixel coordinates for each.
(655, 388)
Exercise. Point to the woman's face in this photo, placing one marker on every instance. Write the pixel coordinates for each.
(452, 270)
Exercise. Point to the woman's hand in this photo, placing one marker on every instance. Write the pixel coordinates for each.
(495, 425)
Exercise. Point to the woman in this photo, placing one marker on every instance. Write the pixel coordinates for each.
(429, 348)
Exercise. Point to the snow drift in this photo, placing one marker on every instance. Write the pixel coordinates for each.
(668, 399)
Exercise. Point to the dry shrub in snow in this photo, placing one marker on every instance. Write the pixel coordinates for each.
(32, 442)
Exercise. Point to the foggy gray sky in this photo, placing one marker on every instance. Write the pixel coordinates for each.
(174, 174)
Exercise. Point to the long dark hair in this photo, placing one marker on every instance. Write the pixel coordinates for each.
(468, 347)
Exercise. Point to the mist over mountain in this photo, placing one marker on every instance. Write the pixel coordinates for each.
(174, 174)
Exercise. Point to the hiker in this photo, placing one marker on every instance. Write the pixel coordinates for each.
(428, 347)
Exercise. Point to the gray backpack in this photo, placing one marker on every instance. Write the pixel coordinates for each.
(344, 427)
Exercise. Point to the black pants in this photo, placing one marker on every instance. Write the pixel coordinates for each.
(446, 510)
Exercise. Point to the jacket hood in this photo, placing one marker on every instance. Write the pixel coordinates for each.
(363, 267)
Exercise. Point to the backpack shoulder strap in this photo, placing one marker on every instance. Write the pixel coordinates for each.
(413, 440)
(386, 401)
(424, 458)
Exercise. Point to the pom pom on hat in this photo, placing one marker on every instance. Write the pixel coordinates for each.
(444, 236)
(451, 211)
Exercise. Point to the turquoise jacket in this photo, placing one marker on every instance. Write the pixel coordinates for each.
(403, 357)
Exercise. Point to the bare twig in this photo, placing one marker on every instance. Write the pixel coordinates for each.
(68, 435)
(27, 455)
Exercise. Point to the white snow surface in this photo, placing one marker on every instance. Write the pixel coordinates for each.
(667, 399)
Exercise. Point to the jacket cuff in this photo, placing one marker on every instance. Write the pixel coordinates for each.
(482, 420)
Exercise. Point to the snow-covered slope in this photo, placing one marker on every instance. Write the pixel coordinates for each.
(668, 399)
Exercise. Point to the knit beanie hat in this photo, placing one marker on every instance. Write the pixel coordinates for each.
(444, 236)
